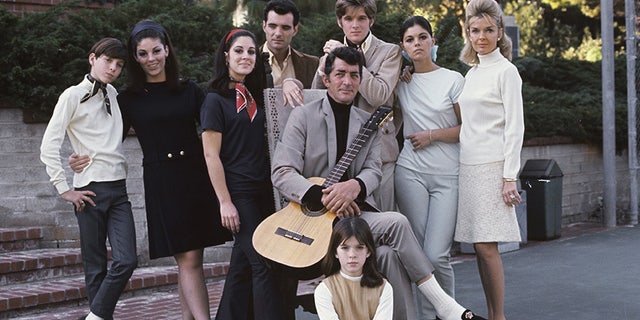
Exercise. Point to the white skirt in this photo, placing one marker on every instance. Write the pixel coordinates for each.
(482, 214)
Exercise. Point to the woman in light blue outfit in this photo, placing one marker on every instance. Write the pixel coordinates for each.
(426, 176)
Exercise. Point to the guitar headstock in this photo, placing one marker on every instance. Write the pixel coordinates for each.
(379, 117)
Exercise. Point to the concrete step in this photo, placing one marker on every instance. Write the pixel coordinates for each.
(17, 239)
(40, 264)
(23, 300)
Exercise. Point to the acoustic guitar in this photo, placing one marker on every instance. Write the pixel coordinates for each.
(298, 236)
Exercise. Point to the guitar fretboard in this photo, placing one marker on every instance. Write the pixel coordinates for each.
(345, 161)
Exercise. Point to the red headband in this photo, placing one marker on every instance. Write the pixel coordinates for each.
(231, 33)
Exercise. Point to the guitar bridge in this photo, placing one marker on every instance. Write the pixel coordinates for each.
(294, 236)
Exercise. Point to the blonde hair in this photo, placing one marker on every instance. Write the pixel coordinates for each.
(491, 11)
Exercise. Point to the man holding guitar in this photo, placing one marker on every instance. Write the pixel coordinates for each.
(315, 137)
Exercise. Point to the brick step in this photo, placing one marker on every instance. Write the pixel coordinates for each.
(17, 239)
(40, 264)
(45, 295)
(159, 304)
(163, 304)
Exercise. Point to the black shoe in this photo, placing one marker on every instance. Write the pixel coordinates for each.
(468, 315)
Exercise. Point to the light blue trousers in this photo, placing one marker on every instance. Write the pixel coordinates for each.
(430, 203)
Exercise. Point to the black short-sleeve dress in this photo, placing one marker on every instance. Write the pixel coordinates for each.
(182, 209)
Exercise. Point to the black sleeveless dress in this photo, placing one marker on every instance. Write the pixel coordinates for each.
(182, 209)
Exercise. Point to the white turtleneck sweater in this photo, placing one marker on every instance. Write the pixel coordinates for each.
(492, 116)
(91, 130)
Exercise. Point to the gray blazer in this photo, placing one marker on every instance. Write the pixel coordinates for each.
(308, 149)
(379, 80)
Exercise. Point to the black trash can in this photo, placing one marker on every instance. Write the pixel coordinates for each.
(542, 179)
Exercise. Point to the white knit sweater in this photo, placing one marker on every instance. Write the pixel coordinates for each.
(492, 116)
(92, 131)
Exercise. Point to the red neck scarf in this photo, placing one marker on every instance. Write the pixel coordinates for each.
(244, 100)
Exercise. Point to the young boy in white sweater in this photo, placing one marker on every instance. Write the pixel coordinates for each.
(89, 114)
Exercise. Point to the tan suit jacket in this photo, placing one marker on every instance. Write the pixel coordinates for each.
(308, 148)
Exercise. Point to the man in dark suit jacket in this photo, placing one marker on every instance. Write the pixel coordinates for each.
(291, 69)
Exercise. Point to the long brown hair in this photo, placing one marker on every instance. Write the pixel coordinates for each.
(255, 81)
(343, 230)
(136, 77)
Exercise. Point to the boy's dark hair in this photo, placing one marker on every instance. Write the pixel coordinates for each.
(350, 55)
(282, 7)
(110, 47)
(343, 230)
(369, 6)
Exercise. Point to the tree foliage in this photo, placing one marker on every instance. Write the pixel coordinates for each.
(564, 98)
(47, 51)
(43, 53)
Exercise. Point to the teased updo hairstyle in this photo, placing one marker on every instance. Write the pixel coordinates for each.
(136, 78)
(491, 11)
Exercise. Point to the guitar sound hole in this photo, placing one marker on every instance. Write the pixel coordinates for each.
(314, 211)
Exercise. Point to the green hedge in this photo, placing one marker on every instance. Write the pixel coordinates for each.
(563, 98)
(44, 53)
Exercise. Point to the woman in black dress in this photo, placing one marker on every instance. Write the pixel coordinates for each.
(182, 213)
(233, 124)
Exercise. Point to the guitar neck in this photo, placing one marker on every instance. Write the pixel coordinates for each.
(350, 154)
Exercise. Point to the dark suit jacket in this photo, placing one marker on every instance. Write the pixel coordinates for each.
(379, 79)
(304, 65)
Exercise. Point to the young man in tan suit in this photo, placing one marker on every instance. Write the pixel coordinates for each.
(380, 75)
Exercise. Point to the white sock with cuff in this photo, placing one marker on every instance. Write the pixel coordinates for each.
(446, 307)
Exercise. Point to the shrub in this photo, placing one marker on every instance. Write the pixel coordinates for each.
(43, 53)
(564, 98)
(50, 52)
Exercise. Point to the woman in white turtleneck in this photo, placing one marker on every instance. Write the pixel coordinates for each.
(490, 143)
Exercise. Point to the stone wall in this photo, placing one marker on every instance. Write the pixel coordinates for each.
(27, 198)
(583, 180)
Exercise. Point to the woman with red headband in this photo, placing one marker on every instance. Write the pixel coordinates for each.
(233, 137)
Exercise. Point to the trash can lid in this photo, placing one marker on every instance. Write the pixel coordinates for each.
(540, 168)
